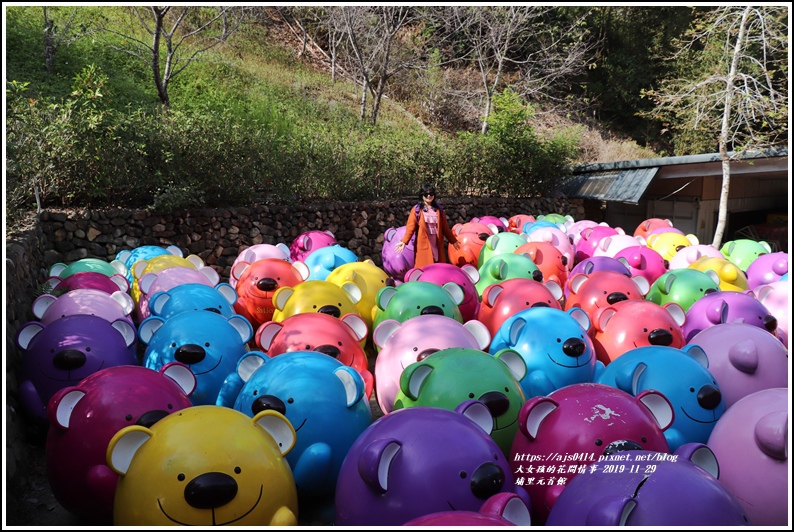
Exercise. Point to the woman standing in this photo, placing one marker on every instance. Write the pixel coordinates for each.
(429, 221)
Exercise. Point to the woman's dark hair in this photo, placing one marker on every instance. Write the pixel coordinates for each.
(428, 189)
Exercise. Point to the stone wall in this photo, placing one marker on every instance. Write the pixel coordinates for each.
(215, 235)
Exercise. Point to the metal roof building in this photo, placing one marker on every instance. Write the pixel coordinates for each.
(686, 190)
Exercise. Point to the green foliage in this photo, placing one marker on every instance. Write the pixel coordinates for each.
(248, 125)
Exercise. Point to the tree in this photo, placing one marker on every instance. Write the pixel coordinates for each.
(733, 87)
(544, 48)
(181, 34)
(55, 37)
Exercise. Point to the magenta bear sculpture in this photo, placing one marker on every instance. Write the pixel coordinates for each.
(750, 443)
(561, 434)
(98, 281)
(310, 241)
(83, 419)
(640, 489)
(440, 273)
(116, 306)
(421, 460)
(642, 260)
(65, 352)
(744, 359)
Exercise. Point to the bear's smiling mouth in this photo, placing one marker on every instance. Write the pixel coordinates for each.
(209, 370)
(566, 366)
(256, 503)
(697, 420)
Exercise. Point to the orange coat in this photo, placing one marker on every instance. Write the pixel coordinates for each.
(423, 255)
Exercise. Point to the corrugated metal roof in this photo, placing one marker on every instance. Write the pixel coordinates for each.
(612, 185)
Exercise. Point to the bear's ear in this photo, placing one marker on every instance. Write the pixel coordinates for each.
(195, 260)
(145, 282)
(119, 266)
(471, 272)
(284, 249)
(126, 329)
(532, 414)
(265, 334)
(480, 333)
(181, 375)
(490, 294)
(138, 267)
(375, 461)
(227, 291)
(56, 269)
(121, 282)
(123, 255)
(281, 295)
(514, 362)
(413, 274)
(174, 250)
(576, 282)
(555, 289)
(61, 406)
(210, 273)
(42, 303)
(278, 427)
(249, 363)
(157, 302)
(243, 327)
(353, 383)
(353, 291)
(302, 268)
(148, 327)
(356, 324)
(581, 317)
(124, 300)
(455, 291)
(611, 511)
(700, 455)
(412, 377)
(514, 331)
(698, 353)
(642, 284)
(239, 268)
(384, 331)
(27, 333)
(477, 412)
(509, 506)
(659, 407)
(123, 446)
(677, 312)
(602, 317)
(384, 296)
(627, 378)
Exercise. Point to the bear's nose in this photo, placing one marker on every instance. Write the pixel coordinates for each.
(190, 354)
(69, 359)
(487, 480)
(432, 309)
(331, 310)
(573, 347)
(210, 490)
(770, 323)
(614, 297)
(621, 445)
(497, 403)
(266, 284)
(147, 419)
(709, 397)
(269, 402)
(660, 337)
(330, 350)
(537, 275)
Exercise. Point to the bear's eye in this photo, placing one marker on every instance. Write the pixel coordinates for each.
(462, 474)
(558, 340)
(599, 442)
(691, 389)
(507, 389)
(173, 344)
(128, 417)
(308, 347)
(170, 406)
(340, 304)
(180, 477)
(416, 349)
(290, 400)
(314, 306)
(644, 439)
(206, 344)
(87, 349)
(238, 470)
(644, 329)
(339, 344)
(471, 395)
